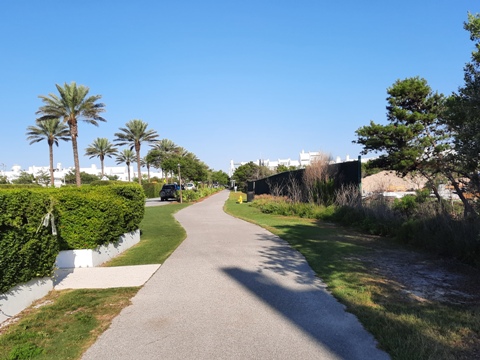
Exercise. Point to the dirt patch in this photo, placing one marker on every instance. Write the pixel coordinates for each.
(389, 181)
(420, 276)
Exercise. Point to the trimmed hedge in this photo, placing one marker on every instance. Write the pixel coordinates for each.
(84, 218)
(90, 216)
(27, 248)
(152, 190)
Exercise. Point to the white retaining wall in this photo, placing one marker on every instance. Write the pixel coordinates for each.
(91, 258)
(23, 295)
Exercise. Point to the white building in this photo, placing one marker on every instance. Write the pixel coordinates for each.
(304, 159)
(60, 172)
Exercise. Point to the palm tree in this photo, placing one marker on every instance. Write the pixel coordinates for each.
(126, 157)
(167, 146)
(101, 147)
(152, 159)
(72, 105)
(167, 149)
(52, 131)
(134, 134)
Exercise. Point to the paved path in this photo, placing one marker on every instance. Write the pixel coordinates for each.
(103, 277)
(156, 202)
(233, 291)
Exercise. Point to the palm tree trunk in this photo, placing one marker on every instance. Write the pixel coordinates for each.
(148, 172)
(139, 165)
(128, 168)
(50, 149)
(74, 134)
(101, 164)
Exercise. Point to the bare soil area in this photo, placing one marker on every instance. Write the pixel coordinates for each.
(418, 275)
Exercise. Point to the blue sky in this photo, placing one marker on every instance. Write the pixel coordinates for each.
(227, 80)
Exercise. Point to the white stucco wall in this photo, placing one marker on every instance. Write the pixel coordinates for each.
(22, 296)
(91, 258)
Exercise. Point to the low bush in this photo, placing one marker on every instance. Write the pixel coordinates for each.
(415, 220)
(28, 249)
(95, 215)
(133, 200)
(190, 195)
(88, 218)
(36, 223)
(152, 190)
(19, 186)
(197, 194)
(443, 235)
(281, 205)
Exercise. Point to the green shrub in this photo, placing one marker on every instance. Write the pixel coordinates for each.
(83, 218)
(283, 206)
(106, 183)
(133, 198)
(19, 186)
(95, 215)
(190, 195)
(444, 235)
(88, 218)
(152, 190)
(27, 248)
(324, 192)
(406, 205)
(417, 220)
(199, 193)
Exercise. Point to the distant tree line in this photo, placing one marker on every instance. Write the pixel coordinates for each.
(58, 121)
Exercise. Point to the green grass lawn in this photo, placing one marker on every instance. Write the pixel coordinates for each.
(406, 329)
(69, 321)
(65, 326)
(161, 234)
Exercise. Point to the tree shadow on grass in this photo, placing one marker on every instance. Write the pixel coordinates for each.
(327, 252)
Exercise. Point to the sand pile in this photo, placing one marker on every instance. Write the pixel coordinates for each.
(389, 181)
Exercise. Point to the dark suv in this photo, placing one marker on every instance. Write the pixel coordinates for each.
(168, 192)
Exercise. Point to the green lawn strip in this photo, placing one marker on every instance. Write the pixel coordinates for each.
(405, 329)
(161, 235)
(65, 326)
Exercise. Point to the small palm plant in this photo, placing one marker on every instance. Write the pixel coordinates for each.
(126, 156)
(134, 134)
(52, 131)
(101, 147)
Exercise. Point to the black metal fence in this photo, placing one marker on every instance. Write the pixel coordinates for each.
(342, 174)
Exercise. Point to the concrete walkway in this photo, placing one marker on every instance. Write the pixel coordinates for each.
(233, 291)
(103, 277)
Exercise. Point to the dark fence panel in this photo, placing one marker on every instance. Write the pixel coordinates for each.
(276, 182)
(346, 173)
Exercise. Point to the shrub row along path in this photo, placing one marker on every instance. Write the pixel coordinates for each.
(232, 290)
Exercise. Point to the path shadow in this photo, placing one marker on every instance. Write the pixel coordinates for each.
(282, 259)
(315, 312)
(61, 274)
